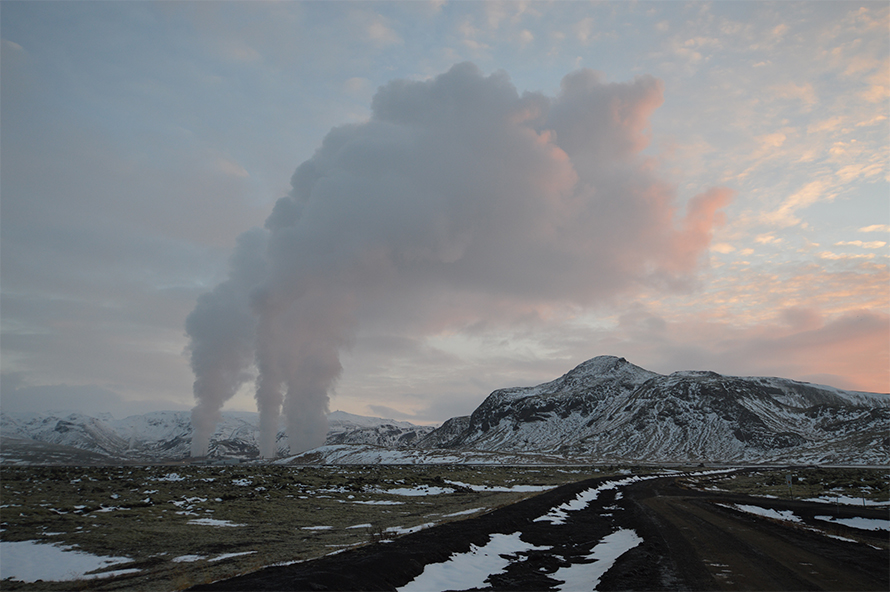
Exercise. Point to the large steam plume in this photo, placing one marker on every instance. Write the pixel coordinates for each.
(459, 186)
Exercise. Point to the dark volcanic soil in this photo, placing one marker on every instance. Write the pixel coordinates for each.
(691, 541)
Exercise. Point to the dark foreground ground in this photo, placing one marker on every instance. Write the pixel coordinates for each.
(690, 542)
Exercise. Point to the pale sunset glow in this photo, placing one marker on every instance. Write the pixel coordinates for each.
(394, 208)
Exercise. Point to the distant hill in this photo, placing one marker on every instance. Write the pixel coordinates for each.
(610, 409)
(604, 410)
(73, 438)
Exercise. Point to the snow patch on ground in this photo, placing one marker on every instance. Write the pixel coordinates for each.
(786, 515)
(858, 522)
(586, 576)
(29, 561)
(846, 500)
(400, 530)
(420, 490)
(187, 558)
(464, 571)
(193, 558)
(559, 514)
(230, 555)
(504, 489)
(464, 512)
(213, 522)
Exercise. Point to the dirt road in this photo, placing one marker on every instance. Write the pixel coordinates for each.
(690, 540)
(712, 546)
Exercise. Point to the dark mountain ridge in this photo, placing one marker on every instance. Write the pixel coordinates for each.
(604, 410)
(608, 408)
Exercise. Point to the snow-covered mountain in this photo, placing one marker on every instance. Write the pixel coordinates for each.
(604, 410)
(346, 428)
(166, 435)
(610, 409)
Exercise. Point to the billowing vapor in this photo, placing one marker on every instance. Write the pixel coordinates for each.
(457, 189)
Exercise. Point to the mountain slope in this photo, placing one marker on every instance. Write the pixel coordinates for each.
(607, 408)
(604, 410)
(166, 435)
(346, 428)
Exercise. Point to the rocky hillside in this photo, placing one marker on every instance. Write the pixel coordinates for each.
(346, 428)
(610, 409)
(604, 410)
(73, 438)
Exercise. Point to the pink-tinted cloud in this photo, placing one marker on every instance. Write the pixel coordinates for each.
(851, 350)
(703, 213)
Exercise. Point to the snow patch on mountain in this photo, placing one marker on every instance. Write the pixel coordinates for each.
(166, 435)
(604, 410)
(609, 409)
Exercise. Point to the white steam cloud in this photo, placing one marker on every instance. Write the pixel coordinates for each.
(457, 186)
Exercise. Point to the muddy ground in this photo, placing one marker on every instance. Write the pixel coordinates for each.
(692, 540)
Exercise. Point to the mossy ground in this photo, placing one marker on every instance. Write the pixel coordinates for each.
(871, 485)
(271, 514)
(276, 514)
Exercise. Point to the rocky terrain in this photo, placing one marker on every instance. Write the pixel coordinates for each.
(610, 409)
(604, 410)
(73, 438)
(650, 532)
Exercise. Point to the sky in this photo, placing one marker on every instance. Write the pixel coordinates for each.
(407, 205)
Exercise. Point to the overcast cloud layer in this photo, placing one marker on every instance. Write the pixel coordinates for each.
(490, 194)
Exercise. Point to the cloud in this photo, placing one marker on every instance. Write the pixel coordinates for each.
(381, 33)
(390, 413)
(801, 92)
(801, 342)
(87, 399)
(835, 256)
(584, 30)
(356, 85)
(785, 215)
(864, 245)
(470, 35)
(802, 317)
(852, 345)
(767, 239)
(526, 37)
(230, 167)
(460, 203)
(12, 45)
(849, 350)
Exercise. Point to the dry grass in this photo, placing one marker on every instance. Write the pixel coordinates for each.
(806, 482)
(147, 513)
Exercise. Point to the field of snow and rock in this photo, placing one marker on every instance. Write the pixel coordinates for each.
(604, 410)
(627, 531)
(85, 502)
(170, 527)
(73, 438)
(609, 409)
